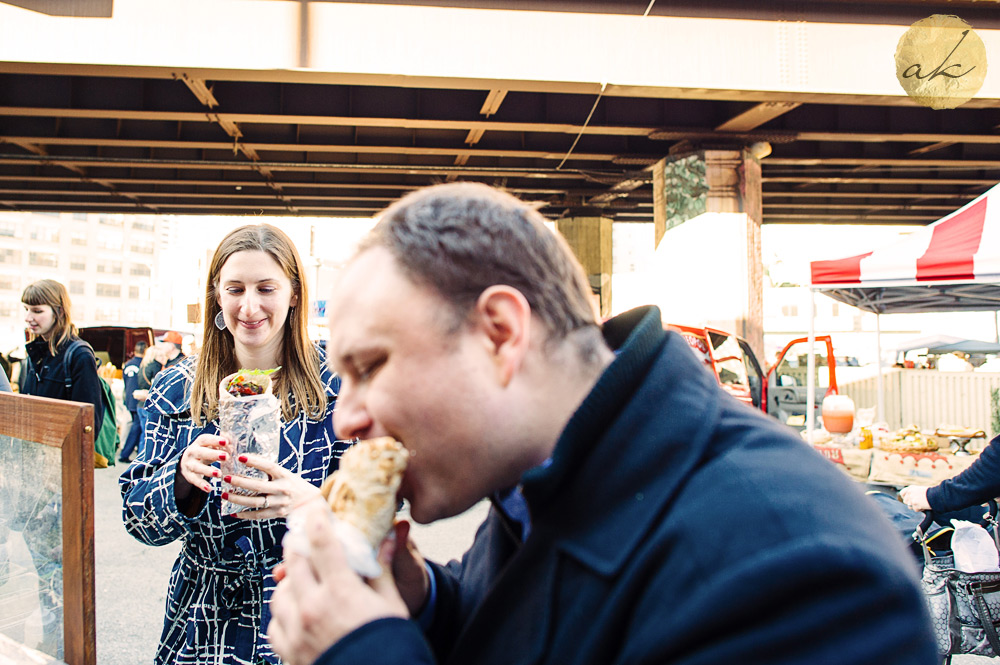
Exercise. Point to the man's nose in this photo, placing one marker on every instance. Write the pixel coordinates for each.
(350, 418)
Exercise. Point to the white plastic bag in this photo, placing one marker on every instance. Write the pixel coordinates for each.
(974, 549)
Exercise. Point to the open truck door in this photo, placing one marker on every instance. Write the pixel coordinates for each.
(730, 359)
(788, 378)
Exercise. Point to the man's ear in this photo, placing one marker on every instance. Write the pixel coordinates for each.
(505, 317)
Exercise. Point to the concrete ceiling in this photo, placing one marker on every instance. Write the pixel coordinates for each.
(75, 137)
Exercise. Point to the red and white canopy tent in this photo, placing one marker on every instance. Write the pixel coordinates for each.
(950, 265)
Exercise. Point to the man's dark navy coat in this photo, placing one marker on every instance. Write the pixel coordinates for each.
(674, 525)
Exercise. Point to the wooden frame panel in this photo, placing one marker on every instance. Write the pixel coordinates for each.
(67, 426)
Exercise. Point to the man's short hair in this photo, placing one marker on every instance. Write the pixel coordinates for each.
(462, 238)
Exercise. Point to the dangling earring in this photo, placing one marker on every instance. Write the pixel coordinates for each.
(220, 321)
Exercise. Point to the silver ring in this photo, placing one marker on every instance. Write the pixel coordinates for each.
(264, 507)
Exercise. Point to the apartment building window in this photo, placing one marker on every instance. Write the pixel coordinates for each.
(8, 309)
(836, 309)
(104, 220)
(76, 287)
(9, 229)
(78, 238)
(110, 267)
(109, 241)
(109, 290)
(140, 270)
(142, 247)
(45, 259)
(78, 263)
(9, 283)
(45, 233)
(133, 293)
(80, 216)
(10, 256)
(143, 225)
(789, 310)
(107, 315)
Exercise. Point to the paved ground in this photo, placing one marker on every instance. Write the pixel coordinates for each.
(131, 578)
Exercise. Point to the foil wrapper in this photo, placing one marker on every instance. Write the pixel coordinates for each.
(252, 425)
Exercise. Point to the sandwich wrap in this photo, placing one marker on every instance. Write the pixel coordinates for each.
(361, 495)
(251, 422)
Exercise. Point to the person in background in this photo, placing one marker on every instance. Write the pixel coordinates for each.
(166, 353)
(130, 379)
(5, 365)
(953, 362)
(51, 329)
(255, 318)
(4, 382)
(639, 513)
(963, 493)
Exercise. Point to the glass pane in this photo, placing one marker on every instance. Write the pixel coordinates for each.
(31, 565)
(792, 370)
(729, 360)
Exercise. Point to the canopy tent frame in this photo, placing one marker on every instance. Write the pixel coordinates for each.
(951, 265)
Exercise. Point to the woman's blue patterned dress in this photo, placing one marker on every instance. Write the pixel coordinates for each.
(217, 612)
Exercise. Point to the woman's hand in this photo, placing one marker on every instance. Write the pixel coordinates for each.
(272, 498)
(915, 497)
(195, 471)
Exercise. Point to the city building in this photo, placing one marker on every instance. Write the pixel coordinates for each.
(110, 263)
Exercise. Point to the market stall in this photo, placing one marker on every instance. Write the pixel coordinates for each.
(951, 265)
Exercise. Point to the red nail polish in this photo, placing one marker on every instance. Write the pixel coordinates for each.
(222, 457)
(227, 479)
(207, 489)
(243, 458)
(215, 474)
(225, 495)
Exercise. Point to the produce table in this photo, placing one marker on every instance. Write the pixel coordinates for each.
(895, 468)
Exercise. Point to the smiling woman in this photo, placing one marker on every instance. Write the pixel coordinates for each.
(175, 489)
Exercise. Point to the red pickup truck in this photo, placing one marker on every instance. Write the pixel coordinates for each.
(781, 391)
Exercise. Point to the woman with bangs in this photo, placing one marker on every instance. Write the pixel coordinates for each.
(51, 331)
(255, 318)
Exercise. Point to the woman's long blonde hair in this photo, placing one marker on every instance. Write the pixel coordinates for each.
(298, 385)
(52, 293)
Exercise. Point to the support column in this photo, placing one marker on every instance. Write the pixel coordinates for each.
(590, 239)
(707, 212)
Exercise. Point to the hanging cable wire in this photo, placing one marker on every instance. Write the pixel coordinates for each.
(584, 128)
(593, 108)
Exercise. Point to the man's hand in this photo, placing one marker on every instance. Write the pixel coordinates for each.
(408, 568)
(915, 497)
(319, 599)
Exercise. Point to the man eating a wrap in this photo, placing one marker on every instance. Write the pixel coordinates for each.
(639, 514)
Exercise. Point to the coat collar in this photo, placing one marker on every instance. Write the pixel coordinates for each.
(629, 446)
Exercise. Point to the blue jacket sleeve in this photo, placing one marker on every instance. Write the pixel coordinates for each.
(381, 642)
(977, 484)
(149, 509)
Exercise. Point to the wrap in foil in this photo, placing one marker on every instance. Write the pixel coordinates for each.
(252, 425)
